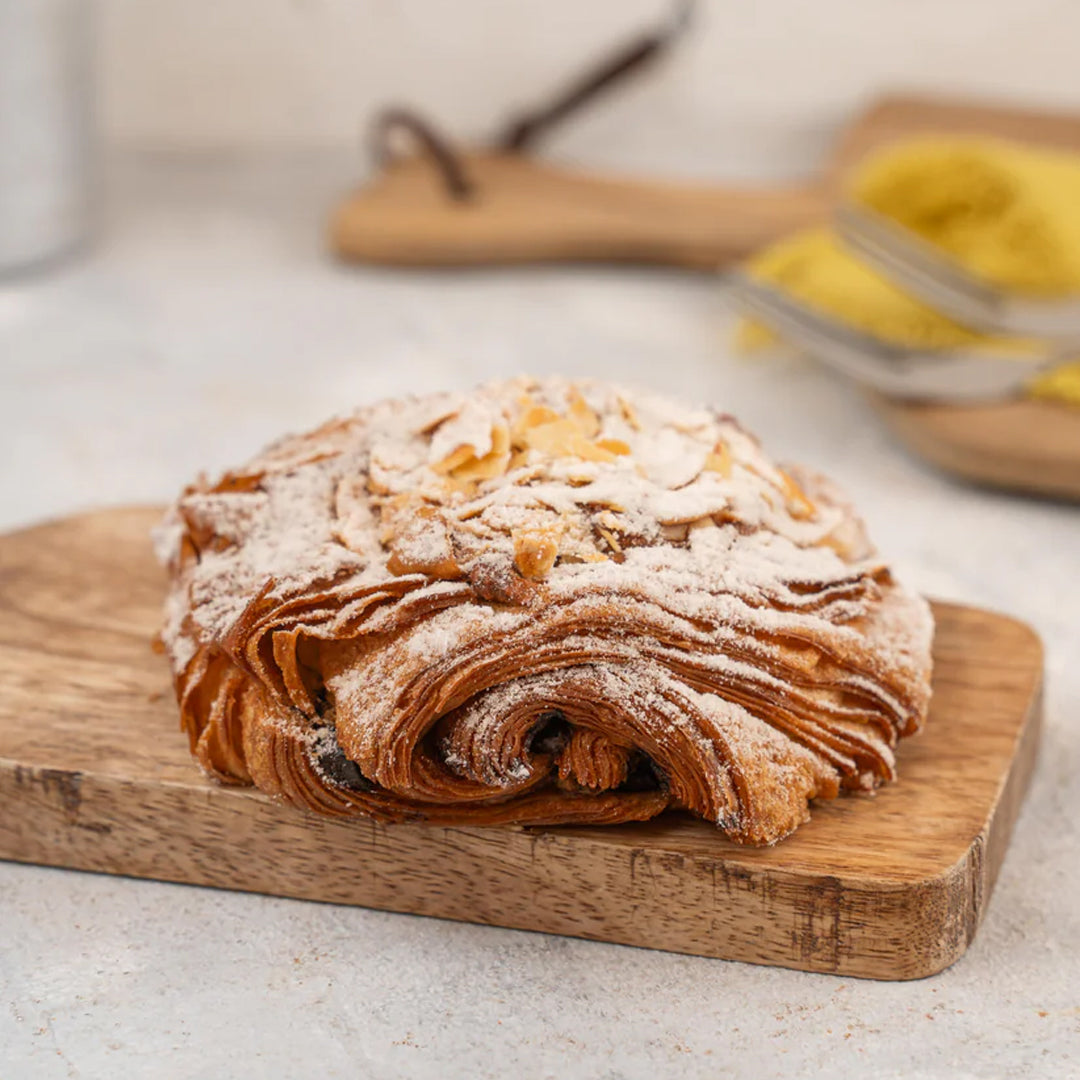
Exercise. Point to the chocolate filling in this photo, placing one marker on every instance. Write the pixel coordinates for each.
(550, 734)
(643, 774)
(336, 767)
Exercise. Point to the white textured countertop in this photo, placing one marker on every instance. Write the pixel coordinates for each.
(207, 321)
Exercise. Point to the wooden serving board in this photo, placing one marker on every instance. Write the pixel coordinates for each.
(95, 775)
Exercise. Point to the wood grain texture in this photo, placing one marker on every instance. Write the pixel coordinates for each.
(528, 211)
(94, 774)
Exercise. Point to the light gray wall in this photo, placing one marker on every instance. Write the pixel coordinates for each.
(773, 77)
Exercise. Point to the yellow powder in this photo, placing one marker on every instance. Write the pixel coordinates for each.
(1009, 214)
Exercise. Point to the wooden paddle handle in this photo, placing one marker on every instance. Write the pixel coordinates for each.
(521, 210)
(718, 226)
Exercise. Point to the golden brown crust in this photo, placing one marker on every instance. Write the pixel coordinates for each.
(544, 602)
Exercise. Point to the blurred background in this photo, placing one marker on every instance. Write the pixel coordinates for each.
(755, 87)
(221, 135)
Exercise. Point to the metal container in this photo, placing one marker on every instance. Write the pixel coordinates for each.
(46, 96)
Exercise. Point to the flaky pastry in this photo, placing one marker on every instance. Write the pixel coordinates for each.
(541, 602)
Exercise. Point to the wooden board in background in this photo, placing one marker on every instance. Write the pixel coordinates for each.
(1029, 446)
(895, 117)
(525, 209)
(95, 775)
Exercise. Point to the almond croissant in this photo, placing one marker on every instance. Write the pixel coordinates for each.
(542, 602)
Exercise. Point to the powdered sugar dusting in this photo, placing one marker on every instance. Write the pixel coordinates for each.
(657, 558)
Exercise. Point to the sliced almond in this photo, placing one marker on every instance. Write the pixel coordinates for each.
(537, 415)
(520, 460)
(392, 512)
(585, 557)
(470, 513)
(614, 446)
(611, 540)
(588, 451)
(629, 413)
(454, 485)
(719, 460)
(422, 546)
(675, 534)
(376, 483)
(556, 438)
(532, 417)
(839, 546)
(455, 459)
(492, 464)
(582, 415)
(799, 504)
(535, 550)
